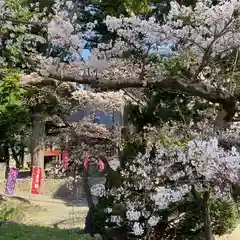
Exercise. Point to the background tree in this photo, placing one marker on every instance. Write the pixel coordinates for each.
(14, 117)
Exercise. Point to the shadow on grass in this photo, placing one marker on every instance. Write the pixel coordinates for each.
(13, 231)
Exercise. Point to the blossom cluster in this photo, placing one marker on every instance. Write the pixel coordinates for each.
(114, 164)
(152, 183)
(106, 102)
(200, 34)
(98, 190)
(208, 25)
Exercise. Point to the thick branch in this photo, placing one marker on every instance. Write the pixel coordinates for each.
(170, 83)
(16, 21)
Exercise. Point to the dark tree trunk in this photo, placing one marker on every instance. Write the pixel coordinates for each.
(21, 153)
(225, 115)
(207, 217)
(15, 155)
(89, 222)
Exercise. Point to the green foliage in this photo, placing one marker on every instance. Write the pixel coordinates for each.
(224, 215)
(14, 116)
(10, 91)
(99, 213)
(137, 6)
(100, 216)
(18, 38)
(164, 106)
(23, 232)
(168, 106)
(11, 211)
(86, 237)
(124, 7)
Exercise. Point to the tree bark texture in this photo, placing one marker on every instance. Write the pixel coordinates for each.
(37, 143)
(207, 217)
(89, 222)
(225, 115)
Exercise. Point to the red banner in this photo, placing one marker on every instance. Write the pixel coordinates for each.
(101, 165)
(36, 180)
(85, 160)
(65, 159)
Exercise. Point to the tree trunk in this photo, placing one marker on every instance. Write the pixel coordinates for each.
(21, 153)
(89, 222)
(7, 159)
(207, 217)
(37, 141)
(125, 130)
(225, 116)
(15, 155)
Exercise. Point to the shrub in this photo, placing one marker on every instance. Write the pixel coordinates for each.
(224, 216)
(163, 194)
(11, 211)
(86, 237)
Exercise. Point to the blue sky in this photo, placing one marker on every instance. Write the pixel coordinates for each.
(86, 54)
(162, 50)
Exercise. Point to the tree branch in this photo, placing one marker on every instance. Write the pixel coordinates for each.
(16, 21)
(174, 83)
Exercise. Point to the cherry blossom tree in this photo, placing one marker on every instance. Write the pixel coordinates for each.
(200, 56)
(200, 49)
(153, 183)
(20, 26)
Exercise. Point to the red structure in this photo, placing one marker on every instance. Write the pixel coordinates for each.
(52, 153)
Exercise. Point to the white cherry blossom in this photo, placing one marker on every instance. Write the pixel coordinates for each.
(152, 184)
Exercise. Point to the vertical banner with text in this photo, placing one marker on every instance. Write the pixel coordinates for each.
(65, 159)
(11, 181)
(85, 160)
(37, 175)
(101, 165)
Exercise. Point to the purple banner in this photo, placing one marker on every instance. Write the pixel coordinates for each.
(11, 181)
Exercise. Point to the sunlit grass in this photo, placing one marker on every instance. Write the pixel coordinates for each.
(11, 231)
(18, 211)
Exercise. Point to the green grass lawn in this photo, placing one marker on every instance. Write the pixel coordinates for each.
(11, 231)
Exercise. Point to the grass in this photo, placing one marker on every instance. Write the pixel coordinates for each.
(14, 213)
(11, 231)
(17, 211)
